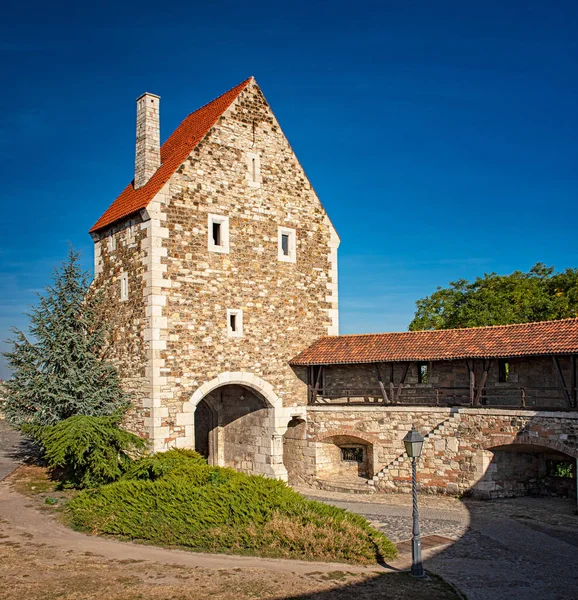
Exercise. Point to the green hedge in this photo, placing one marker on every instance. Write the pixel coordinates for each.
(176, 499)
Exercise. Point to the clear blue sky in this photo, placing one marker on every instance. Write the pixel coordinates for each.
(442, 137)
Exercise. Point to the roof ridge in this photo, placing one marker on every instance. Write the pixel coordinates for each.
(428, 331)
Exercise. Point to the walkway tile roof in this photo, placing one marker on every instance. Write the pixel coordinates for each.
(525, 339)
(173, 153)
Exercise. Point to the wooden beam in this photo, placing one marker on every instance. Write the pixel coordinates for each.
(472, 381)
(381, 386)
(317, 381)
(482, 382)
(573, 383)
(391, 386)
(400, 384)
(562, 381)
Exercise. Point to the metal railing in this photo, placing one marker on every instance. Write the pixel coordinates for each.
(515, 397)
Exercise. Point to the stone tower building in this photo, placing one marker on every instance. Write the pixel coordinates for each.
(219, 265)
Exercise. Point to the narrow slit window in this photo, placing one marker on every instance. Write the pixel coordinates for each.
(422, 372)
(503, 370)
(124, 287)
(218, 233)
(286, 244)
(234, 323)
(253, 163)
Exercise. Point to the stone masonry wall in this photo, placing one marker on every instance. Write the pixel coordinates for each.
(456, 454)
(286, 305)
(120, 250)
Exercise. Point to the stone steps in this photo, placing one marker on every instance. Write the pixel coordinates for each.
(443, 429)
(347, 487)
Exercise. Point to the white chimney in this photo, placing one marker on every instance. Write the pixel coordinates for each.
(148, 139)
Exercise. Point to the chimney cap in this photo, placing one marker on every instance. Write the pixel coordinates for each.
(148, 94)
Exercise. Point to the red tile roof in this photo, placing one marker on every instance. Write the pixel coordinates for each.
(525, 339)
(173, 153)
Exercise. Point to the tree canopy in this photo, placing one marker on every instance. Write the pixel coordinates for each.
(59, 369)
(541, 294)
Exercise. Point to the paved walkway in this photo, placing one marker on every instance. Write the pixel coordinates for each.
(503, 550)
(9, 449)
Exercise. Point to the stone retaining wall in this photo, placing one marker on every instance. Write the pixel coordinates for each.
(457, 450)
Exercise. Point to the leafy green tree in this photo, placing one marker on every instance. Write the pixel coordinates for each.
(60, 369)
(538, 295)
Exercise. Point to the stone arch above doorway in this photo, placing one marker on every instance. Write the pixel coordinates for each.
(270, 442)
(236, 378)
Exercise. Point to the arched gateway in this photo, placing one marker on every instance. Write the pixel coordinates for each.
(239, 422)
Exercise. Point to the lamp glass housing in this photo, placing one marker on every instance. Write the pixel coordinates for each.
(413, 442)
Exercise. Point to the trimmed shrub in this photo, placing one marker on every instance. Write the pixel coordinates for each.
(219, 510)
(87, 451)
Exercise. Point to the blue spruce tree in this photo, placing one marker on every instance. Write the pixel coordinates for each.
(59, 369)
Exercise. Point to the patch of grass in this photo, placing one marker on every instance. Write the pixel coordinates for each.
(32, 481)
(187, 503)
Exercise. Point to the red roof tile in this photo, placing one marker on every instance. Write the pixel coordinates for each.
(173, 153)
(525, 339)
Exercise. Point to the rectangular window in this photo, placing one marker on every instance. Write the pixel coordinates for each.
(218, 233)
(124, 287)
(352, 454)
(234, 323)
(286, 244)
(422, 372)
(503, 370)
(111, 242)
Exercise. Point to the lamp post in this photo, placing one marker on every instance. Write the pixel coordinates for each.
(413, 445)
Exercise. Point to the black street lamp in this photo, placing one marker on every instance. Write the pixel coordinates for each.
(413, 445)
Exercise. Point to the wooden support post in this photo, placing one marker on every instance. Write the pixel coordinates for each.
(381, 386)
(472, 381)
(391, 386)
(573, 383)
(317, 381)
(482, 382)
(562, 381)
(400, 384)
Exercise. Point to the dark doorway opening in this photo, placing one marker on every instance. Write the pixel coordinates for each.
(203, 428)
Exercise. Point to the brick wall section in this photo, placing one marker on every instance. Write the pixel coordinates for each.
(455, 456)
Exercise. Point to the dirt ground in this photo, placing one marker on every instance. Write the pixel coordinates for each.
(42, 560)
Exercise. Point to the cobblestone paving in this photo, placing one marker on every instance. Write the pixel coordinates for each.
(504, 550)
(447, 517)
(399, 529)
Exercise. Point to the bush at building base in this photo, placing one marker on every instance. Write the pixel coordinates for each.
(175, 498)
